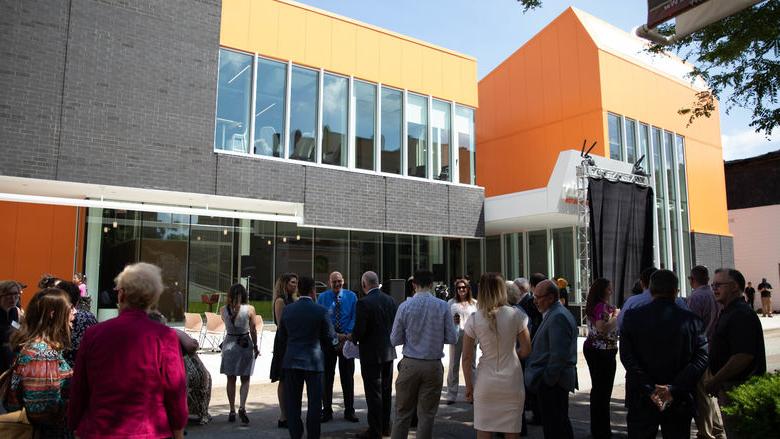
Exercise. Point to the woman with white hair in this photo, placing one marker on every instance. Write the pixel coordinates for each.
(129, 380)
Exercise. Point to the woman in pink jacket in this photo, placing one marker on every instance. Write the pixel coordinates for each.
(129, 380)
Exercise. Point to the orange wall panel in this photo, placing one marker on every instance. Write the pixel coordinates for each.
(36, 239)
(706, 188)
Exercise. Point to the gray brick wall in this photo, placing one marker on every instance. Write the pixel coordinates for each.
(713, 251)
(123, 93)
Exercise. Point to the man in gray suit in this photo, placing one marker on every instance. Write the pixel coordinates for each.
(305, 329)
(551, 370)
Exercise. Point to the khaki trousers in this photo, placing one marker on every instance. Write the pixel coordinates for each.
(418, 387)
(766, 306)
(708, 420)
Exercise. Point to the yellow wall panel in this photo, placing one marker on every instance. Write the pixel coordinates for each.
(318, 34)
(264, 32)
(431, 72)
(390, 61)
(234, 29)
(292, 33)
(468, 75)
(343, 47)
(367, 54)
(450, 75)
(412, 66)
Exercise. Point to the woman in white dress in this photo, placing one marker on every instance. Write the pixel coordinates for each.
(462, 306)
(501, 331)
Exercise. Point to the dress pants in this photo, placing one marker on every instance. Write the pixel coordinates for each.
(418, 387)
(601, 365)
(707, 418)
(293, 393)
(378, 386)
(644, 418)
(453, 372)
(766, 306)
(554, 405)
(346, 374)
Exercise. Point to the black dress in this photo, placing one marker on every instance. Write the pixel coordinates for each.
(279, 348)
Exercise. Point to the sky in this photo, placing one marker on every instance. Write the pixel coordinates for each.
(491, 30)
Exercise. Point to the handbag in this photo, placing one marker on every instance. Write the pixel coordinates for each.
(14, 425)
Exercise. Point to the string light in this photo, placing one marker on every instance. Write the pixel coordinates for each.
(284, 239)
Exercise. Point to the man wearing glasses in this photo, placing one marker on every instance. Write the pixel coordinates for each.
(9, 319)
(737, 351)
(551, 371)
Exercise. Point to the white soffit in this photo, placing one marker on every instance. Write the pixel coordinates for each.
(30, 190)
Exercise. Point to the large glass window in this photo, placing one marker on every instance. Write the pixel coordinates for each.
(493, 255)
(686, 231)
(417, 136)
(335, 114)
(631, 151)
(473, 259)
(563, 258)
(211, 257)
(257, 265)
(164, 243)
(364, 255)
(365, 124)
(293, 249)
(615, 136)
(330, 254)
(303, 114)
(120, 244)
(660, 204)
(515, 260)
(537, 252)
(269, 107)
(396, 256)
(464, 126)
(440, 140)
(669, 155)
(234, 97)
(453, 256)
(392, 130)
(644, 146)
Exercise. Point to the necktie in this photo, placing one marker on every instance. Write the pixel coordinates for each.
(337, 315)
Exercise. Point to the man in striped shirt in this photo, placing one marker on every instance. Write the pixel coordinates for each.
(423, 325)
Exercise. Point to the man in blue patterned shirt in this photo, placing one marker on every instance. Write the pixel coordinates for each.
(340, 304)
(423, 325)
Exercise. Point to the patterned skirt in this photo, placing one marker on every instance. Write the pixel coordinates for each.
(198, 388)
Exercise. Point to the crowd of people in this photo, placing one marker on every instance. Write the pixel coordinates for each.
(132, 376)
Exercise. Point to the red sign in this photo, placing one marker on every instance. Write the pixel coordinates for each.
(659, 11)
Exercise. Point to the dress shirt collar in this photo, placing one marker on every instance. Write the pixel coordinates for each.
(423, 293)
(304, 297)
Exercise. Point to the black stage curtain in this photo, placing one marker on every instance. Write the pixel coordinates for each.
(621, 232)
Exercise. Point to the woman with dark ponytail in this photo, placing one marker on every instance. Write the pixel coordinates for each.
(239, 349)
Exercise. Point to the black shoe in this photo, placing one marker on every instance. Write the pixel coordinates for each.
(351, 418)
(326, 417)
(232, 416)
(281, 424)
(243, 416)
(450, 402)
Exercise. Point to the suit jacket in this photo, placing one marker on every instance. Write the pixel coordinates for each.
(553, 358)
(373, 323)
(661, 343)
(304, 326)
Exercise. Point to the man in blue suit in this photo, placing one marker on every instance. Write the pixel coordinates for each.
(551, 369)
(305, 329)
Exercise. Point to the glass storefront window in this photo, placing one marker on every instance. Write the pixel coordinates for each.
(269, 107)
(293, 249)
(392, 129)
(671, 186)
(234, 97)
(365, 124)
(563, 259)
(514, 259)
(537, 252)
(164, 243)
(615, 136)
(211, 259)
(441, 116)
(257, 265)
(493, 256)
(119, 234)
(473, 259)
(464, 127)
(453, 256)
(364, 255)
(660, 193)
(631, 152)
(682, 176)
(335, 114)
(417, 136)
(330, 254)
(303, 114)
(644, 146)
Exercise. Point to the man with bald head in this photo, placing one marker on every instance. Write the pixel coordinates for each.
(340, 304)
(373, 323)
(551, 369)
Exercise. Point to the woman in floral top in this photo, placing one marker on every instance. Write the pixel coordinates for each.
(41, 376)
(600, 350)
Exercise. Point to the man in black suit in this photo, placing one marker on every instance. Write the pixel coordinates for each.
(373, 323)
(305, 329)
(664, 350)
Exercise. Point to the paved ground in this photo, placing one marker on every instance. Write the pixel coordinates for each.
(452, 421)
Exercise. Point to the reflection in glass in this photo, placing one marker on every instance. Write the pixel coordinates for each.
(493, 255)
(211, 259)
(537, 252)
(563, 258)
(293, 249)
(269, 107)
(396, 256)
(234, 97)
(330, 254)
(120, 245)
(257, 263)
(631, 153)
(686, 231)
(473, 259)
(363, 256)
(464, 127)
(417, 136)
(365, 124)
(658, 175)
(392, 129)
(644, 146)
(615, 137)
(515, 262)
(671, 187)
(303, 114)
(440, 140)
(164, 243)
(335, 111)
(453, 254)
